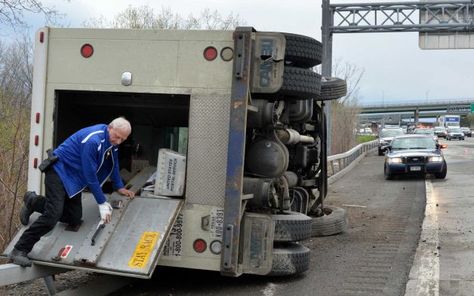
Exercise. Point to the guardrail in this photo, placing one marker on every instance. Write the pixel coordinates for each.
(338, 162)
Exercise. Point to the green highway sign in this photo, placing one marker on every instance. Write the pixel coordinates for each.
(472, 108)
(459, 109)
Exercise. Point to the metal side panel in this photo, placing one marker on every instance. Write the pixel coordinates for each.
(207, 148)
(132, 248)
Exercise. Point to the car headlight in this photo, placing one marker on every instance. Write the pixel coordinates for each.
(435, 159)
(395, 160)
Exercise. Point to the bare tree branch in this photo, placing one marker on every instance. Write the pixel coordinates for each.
(12, 11)
(15, 91)
(144, 17)
(345, 111)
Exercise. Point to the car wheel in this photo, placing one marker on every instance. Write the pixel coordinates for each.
(380, 152)
(387, 174)
(443, 173)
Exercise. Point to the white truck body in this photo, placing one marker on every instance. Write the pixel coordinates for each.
(178, 96)
(450, 121)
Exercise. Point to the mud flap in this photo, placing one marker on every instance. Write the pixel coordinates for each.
(258, 232)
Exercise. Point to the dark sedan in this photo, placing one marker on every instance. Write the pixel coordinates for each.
(415, 154)
(455, 133)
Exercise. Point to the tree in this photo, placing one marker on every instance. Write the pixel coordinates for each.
(345, 111)
(15, 91)
(12, 11)
(144, 17)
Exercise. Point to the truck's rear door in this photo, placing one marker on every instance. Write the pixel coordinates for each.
(130, 245)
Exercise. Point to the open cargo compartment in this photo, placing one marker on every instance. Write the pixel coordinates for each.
(131, 244)
(158, 121)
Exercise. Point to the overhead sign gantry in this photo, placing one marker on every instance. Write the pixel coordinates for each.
(441, 24)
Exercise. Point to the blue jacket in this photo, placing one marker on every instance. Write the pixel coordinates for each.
(88, 159)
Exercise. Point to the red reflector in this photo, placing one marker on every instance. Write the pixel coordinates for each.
(87, 50)
(35, 163)
(41, 37)
(37, 138)
(37, 117)
(199, 245)
(210, 53)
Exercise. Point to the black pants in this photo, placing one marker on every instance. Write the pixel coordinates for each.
(56, 206)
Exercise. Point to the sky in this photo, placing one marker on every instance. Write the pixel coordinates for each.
(394, 69)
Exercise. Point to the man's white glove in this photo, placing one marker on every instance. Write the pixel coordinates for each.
(105, 210)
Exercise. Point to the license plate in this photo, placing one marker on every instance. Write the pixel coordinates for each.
(415, 168)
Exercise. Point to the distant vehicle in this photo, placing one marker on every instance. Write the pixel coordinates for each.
(467, 131)
(386, 136)
(449, 121)
(426, 131)
(365, 131)
(415, 154)
(455, 133)
(391, 126)
(440, 131)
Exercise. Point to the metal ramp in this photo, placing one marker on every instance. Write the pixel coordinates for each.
(130, 245)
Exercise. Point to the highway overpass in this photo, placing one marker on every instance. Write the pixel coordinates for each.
(409, 111)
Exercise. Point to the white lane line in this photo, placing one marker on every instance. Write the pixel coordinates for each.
(424, 274)
(269, 290)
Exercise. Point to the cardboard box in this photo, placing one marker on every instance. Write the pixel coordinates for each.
(170, 173)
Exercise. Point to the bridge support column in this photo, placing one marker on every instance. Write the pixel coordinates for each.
(416, 117)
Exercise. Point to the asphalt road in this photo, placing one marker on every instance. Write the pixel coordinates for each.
(373, 257)
(445, 256)
(376, 256)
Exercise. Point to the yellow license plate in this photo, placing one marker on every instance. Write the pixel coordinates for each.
(143, 250)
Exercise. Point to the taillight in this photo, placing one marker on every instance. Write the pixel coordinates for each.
(210, 53)
(36, 140)
(199, 245)
(87, 50)
(35, 163)
(37, 117)
(41, 37)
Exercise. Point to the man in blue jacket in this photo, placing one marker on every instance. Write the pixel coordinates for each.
(86, 159)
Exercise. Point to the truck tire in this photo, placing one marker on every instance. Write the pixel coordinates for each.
(333, 221)
(289, 259)
(299, 83)
(302, 51)
(332, 88)
(291, 227)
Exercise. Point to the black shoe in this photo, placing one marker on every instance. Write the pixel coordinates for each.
(27, 208)
(19, 258)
